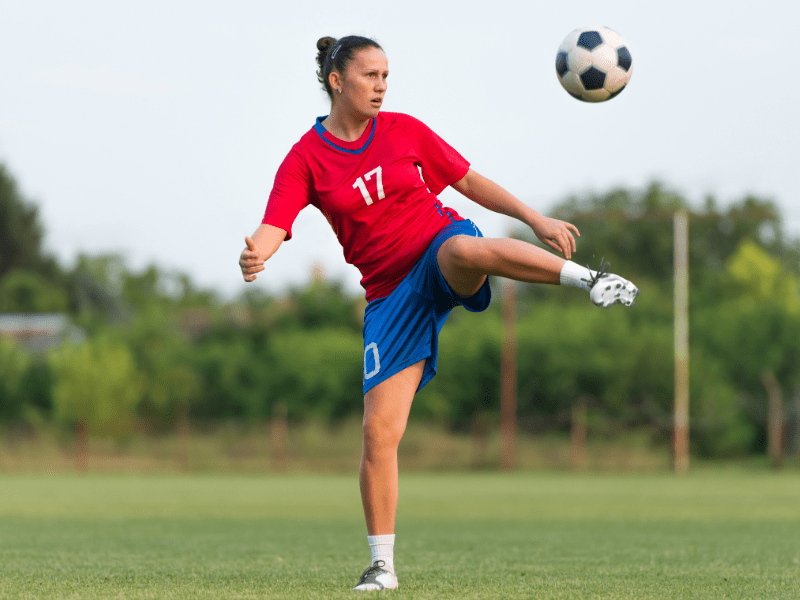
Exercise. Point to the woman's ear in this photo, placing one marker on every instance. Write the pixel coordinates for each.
(335, 80)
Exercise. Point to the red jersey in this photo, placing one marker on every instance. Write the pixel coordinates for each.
(384, 212)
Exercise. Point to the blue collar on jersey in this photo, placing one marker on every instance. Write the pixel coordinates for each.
(321, 131)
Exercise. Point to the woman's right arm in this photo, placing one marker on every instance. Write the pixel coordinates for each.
(260, 247)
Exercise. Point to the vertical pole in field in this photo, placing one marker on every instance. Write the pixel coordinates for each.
(280, 436)
(681, 301)
(796, 437)
(774, 418)
(508, 377)
(578, 434)
(183, 430)
(82, 446)
(480, 438)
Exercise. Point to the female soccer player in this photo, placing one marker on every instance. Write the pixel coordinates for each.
(375, 176)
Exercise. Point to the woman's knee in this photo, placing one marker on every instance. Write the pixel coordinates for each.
(464, 263)
(382, 433)
(463, 251)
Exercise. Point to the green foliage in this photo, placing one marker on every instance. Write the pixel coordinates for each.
(621, 362)
(177, 346)
(98, 384)
(30, 281)
(764, 278)
(14, 363)
(38, 383)
(468, 375)
(321, 303)
(316, 372)
(105, 291)
(21, 231)
(745, 338)
(232, 367)
(304, 350)
(163, 357)
(719, 426)
(26, 382)
(743, 304)
(755, 323)
(29, 292)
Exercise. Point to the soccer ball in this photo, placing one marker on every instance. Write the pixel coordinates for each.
(594, 64)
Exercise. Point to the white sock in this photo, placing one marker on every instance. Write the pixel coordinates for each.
(382, 547)
(575, 275)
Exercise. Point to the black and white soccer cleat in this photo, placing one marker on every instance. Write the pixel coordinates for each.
(606, 288)
(377, 578)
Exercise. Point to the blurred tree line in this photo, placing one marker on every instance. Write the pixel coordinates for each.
(157, 349)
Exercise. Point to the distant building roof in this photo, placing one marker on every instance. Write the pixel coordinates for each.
(39, 332)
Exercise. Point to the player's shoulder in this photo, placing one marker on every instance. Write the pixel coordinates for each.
(410, 126)
(305, 144)
(296, 157)
(400, 119)
(307, 138)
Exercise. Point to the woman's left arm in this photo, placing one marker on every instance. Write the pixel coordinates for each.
(553, 232)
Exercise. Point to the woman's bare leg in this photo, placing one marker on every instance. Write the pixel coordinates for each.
(465, 261)
(386, 408)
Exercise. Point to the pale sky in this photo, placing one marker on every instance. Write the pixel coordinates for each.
(154, 128)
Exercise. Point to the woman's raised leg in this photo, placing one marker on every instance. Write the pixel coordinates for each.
(465, 261)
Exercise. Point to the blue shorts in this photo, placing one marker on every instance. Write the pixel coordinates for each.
(403, 328)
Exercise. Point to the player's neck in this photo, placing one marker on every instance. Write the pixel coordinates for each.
(347, 127)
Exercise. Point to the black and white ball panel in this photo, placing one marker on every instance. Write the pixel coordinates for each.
(590, 40)
(561, 63)
(624, 60)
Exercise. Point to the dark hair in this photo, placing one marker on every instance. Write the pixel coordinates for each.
(335, 55)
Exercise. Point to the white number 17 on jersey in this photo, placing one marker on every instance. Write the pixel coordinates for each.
(363, 186)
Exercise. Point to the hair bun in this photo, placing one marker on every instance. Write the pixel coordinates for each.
(324, 44)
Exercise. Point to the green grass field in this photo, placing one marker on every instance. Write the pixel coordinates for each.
(713, 534)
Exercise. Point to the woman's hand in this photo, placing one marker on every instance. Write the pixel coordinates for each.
(264, 243)
(250, 261)
(556, 234)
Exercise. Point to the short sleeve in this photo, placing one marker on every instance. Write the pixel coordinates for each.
(441, 164)
(291, 193)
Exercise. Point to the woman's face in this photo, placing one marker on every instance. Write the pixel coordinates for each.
(364, 83)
